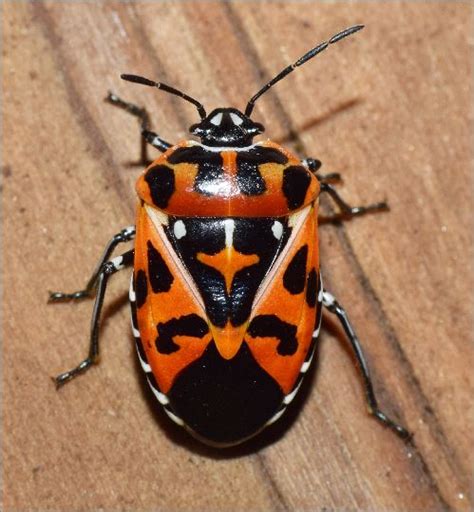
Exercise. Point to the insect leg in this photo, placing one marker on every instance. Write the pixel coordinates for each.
(107, 269)
(148, 137)
(334, 307)
(346, 209)
(125, 235)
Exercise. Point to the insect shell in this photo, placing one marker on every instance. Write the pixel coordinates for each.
(226, 279)
(226, 293)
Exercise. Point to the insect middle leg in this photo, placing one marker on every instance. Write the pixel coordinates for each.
(148, 136)
(107, 269)
(334, 307)
(126, 235)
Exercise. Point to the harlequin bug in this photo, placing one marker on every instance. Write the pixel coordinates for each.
(226, 293)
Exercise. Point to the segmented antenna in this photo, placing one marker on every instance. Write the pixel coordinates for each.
(307, 56)
(159, 85)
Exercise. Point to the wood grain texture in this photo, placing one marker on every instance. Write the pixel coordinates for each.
(389, 108)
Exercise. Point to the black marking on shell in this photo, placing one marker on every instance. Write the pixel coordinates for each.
(296, 180)
(249, 178)
(187, 325)
(141, 288)
(294, 278)
(161, 180)
(311, 288)
(160, 277)
(250, 236)
(225, 401)
(210, 171)
(270, 326)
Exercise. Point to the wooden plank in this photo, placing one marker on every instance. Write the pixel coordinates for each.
(387, 107)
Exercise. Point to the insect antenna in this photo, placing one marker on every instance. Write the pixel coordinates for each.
(307, 56)
(159, 85)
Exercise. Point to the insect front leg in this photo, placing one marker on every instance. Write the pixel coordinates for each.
(313, 165)
(334, 307)
(148, 136)
(126, 235)
(347, 211)
(107, 269)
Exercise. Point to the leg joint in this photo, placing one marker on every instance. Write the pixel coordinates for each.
(126, 234)
(312, 164)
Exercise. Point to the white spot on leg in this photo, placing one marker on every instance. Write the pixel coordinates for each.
(277, 229)
(129, 231)
(328, 299)
(117, 262)
(179, 229)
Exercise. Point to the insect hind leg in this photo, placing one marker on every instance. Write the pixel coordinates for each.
(334, 307)
(107, 269)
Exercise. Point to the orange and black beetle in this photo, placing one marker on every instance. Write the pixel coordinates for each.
(226, 293)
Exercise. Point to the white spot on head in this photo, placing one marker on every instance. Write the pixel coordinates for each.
(277, 229)
(179, 229)
(236, 119)
(219, 149)
(217, 119)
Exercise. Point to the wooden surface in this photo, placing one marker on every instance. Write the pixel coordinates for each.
(388, 108)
